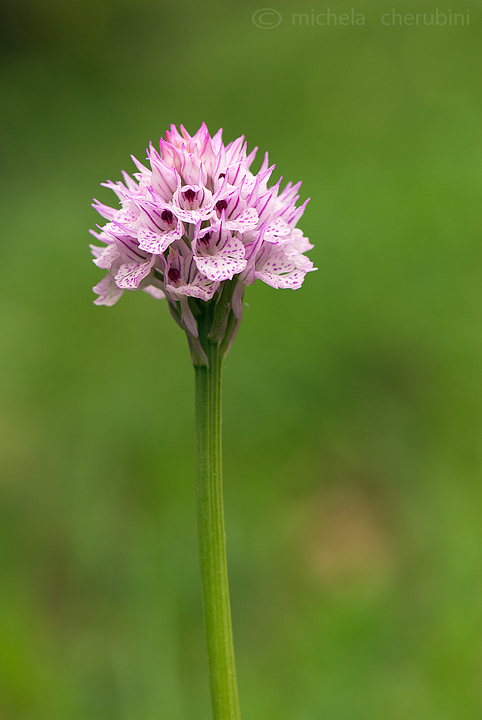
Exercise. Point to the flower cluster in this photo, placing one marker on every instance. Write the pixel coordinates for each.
(196, 219)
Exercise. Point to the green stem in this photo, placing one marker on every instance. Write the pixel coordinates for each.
(211, 536)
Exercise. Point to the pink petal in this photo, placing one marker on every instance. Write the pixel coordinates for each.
(154, 291)
(107, 291)
(219, 268)
(130, 274)
(156, 243)
(106, 256)
(246, 221)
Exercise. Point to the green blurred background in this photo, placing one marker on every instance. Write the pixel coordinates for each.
(353, 407)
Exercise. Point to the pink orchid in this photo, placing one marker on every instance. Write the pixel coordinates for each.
(195, 219)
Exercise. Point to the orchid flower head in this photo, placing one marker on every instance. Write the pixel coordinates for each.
(196, 226)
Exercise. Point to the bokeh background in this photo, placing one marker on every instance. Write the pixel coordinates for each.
(353, 407)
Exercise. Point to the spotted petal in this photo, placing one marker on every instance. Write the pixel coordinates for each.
(104, 257)
(293, 279)
(131, 273)
(277, 231)
(157, 243)
(227, 261)
(246, 221)
(201, 288)
(194, 216)
(279, 271)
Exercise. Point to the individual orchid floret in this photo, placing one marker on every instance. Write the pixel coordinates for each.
(218, 253)
(192, 203)
(159, 228)
(196, 226)
(276, 268)
(183, 278)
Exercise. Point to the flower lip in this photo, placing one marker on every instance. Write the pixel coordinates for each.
(218, 254)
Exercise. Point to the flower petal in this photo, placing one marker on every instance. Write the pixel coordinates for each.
(104, 257)
(246, 221)
(293, 279)
(107, 291)
(155, 292)
(216, 267)
(130, 274)
(157, 243)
